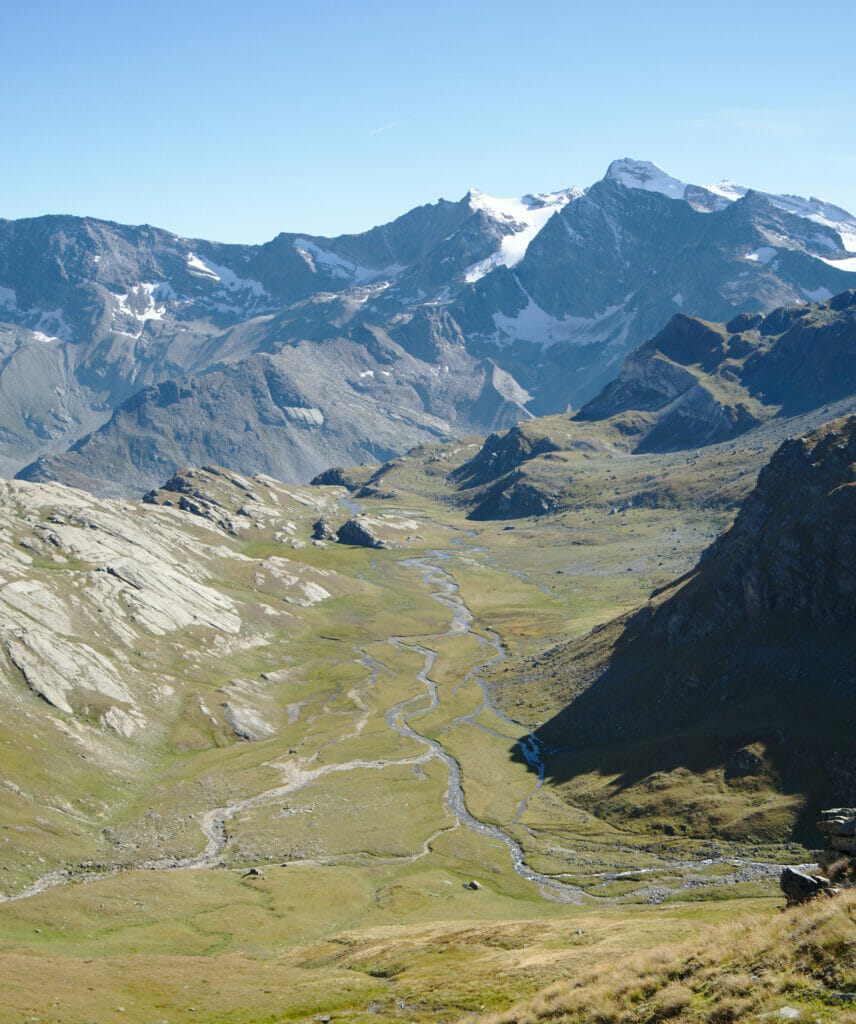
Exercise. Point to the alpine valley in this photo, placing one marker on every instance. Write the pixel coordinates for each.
(452, 622)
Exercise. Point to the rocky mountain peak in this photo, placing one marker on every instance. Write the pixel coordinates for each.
(643, 174)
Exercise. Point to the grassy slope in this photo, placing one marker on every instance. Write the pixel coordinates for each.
(803, 960)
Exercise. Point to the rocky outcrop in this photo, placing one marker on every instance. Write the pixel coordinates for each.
(358, 533)
(514, 497)
(350, 477)
(838, 858)
(501, 454)
(744, 667)
(322, 530)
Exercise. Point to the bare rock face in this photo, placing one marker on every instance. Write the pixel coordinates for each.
(501, 454)
(698, 383)
(752, 651)
(514, 497)
(128, 575)
(350, 477)
(791, 552)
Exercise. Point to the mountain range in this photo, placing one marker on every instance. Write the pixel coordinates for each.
(735, 388)
(128, 352)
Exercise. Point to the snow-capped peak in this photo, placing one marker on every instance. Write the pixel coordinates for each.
(813, 209)
(645, 175)
(523, 218)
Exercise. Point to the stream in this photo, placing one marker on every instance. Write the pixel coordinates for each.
(400, 718)
(446, 593)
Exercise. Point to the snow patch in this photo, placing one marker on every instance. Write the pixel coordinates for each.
(813, 209)
(848, 238)
(678, 299)
(762, 255)
(847, 264)
(224, 276)
(52, 324)
(230, 280)
(818, 295)
(525, 217)
(534, 324)
(140, 303)
(199, 268)
(367, 373)
(339, 267)
(728, 190)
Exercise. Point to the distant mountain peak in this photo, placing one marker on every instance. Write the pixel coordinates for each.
(643, 174)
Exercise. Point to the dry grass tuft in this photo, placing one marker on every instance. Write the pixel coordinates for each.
(743, 969)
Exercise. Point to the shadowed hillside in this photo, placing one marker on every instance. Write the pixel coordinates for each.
(727, 702)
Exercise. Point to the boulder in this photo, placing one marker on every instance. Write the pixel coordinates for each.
(356, 532)
(322, 530)
(799, 887)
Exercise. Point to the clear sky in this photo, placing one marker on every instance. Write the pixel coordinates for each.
(236, 121)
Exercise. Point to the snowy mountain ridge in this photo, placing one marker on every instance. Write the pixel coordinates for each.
(131, 348)
(645, 175)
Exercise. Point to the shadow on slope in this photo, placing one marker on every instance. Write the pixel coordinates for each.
(727, 703)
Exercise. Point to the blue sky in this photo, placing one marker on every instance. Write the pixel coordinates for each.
(235, 122)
